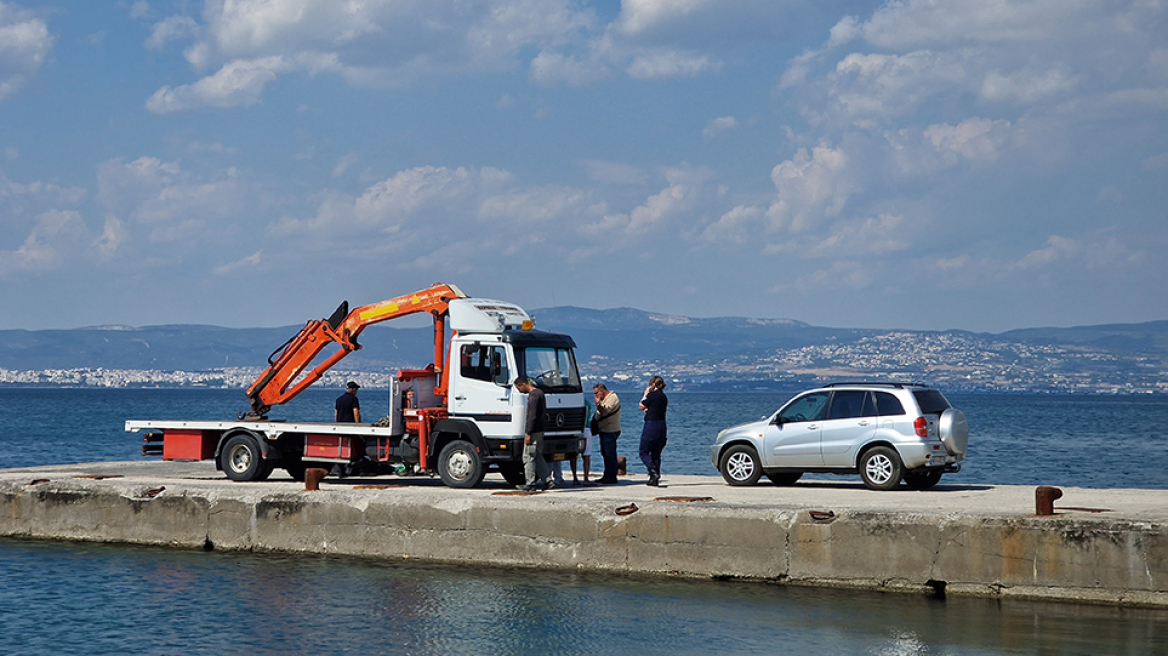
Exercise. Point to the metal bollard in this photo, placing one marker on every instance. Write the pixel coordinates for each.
(1044, 498)
(312, 478)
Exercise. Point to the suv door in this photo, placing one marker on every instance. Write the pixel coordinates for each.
(851, 421)
(791, 439)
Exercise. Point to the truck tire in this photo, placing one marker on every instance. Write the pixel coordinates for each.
(296, 469)
(460, 465)
(241, 459)
(513, 473)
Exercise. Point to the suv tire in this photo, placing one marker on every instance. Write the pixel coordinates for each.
(881, 468)
(740, 465)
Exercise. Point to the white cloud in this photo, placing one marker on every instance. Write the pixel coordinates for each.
(371, 43)
(811, 186)
(249, 262)
(57, 237)
(237, 84)
(669, 63)
(719, 126)
(25, 44)
(638, 16)
(172, 205)
(973, 139)
(170, 29)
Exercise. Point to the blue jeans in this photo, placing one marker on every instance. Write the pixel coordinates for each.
(652, 444)
(608, 453)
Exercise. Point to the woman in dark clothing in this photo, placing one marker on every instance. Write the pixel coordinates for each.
(653, 404)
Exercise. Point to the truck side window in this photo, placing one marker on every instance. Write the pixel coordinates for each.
(485, 363)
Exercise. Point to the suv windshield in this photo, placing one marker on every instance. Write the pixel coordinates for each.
(552, 369)
(931, 401)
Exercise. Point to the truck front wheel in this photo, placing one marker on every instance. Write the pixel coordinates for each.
(460, 465)
(242, 460)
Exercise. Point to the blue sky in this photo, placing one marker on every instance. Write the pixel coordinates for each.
(923, 164)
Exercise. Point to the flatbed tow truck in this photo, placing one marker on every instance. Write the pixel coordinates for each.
(457, 417)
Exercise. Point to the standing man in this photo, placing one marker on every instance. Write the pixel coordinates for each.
(608, 409)
(535, 468)
(348, 407)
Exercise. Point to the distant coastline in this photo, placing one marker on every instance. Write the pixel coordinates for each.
(242, 377)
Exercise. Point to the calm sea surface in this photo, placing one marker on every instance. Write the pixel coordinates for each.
(95, 599)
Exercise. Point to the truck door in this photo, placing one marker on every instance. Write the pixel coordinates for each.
(479, 388)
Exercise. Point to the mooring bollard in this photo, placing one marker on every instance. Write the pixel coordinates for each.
(312, 478)
(1044, 498)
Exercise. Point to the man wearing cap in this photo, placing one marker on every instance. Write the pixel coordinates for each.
(348, 407)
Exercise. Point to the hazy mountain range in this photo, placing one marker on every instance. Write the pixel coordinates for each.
(624, 342)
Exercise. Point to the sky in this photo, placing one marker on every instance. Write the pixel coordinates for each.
(915, 164)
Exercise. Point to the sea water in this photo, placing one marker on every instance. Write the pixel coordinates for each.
(97, 599)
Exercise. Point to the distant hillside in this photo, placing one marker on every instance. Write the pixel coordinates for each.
(625, 343)
(1149, 338)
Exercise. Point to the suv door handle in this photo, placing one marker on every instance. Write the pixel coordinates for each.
(864, 423)
(460, 398)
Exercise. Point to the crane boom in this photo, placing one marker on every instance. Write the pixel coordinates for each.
(282, 380)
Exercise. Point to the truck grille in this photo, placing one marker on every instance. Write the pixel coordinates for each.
(565, 419)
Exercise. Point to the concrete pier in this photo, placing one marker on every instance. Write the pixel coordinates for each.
(1099, 546)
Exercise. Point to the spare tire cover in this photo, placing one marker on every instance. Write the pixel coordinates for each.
(954, 431)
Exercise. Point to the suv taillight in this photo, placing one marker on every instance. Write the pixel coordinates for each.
(921, 427)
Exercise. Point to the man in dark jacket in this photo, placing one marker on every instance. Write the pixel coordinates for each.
(538, 474)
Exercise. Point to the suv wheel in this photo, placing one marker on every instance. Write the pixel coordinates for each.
(740, 465)
(881, 468)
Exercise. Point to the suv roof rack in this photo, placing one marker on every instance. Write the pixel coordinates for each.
(875, 384)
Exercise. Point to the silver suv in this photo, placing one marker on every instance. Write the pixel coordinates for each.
(886, 432)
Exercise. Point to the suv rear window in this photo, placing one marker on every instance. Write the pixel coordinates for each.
(931, 401)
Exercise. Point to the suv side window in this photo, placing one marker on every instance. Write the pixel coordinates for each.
(850, 403)
(888, 405)
(809, 407)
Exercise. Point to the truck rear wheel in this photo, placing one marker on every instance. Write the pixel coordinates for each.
(242, 460)
(460, 465)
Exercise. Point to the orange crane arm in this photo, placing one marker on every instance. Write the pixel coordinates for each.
(282, 380)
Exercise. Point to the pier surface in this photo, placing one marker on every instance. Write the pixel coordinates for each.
(1102, 546)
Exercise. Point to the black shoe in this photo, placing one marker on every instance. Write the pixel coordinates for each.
(605, 481)
(654, 479)
(549, 485)
(527, 488)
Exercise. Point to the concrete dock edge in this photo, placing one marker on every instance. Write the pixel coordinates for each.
(1118, 557)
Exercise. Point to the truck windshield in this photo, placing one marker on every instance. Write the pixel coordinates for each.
(553, 369)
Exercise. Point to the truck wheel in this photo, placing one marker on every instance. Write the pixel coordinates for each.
(242, 460)
(740, 465)
(513, 472)
(881, 468)
(296, 469)
(460, 465)
(922, 480)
